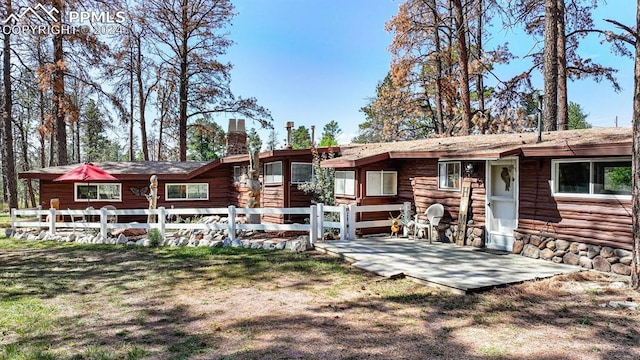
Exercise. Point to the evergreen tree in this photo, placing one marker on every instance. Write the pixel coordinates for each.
(206, 141)
(300, 138)
(330, 133)
(254, 143)
(577, 117)
(96, 146)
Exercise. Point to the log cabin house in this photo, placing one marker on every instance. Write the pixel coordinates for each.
(563, 199)
(190, 184)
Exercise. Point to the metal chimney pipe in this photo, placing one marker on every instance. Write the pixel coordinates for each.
(289, 126)
(313, 135)
(540, 97)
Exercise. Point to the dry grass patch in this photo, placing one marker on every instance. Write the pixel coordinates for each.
(62, 301)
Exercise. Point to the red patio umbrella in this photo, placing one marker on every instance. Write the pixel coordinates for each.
(85, 173)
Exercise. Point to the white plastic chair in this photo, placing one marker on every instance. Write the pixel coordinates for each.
(111, 218)
(434, 214)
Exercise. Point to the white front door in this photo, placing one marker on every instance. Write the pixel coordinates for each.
(502, 203)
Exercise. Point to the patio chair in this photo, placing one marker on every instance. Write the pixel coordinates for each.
(434, 214)
(111, 218)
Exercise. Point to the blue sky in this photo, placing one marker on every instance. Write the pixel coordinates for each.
(313, 61)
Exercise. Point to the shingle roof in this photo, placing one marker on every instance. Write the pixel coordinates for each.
(484, 146)
(128, 168)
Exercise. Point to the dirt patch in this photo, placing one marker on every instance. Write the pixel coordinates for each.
(243, 304)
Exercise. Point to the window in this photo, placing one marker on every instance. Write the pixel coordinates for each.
(273, 173)
(98, 192)
(301, 173)
(345, 183)
(195, 191)
(238, 173)
(597, 177)
(382, 183)
(449, 175)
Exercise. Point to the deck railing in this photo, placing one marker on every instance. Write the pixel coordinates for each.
(320, 217)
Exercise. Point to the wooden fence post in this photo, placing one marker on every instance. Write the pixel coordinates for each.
(344, 235)
(232, 223)
(14, 218)
(313, 218)
(103, 223)
(352, 221)
(320, 218)
(162, 217)
(52, 221)
(406, 217)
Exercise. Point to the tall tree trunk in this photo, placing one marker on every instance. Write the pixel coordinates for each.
(438, 62)
(142, 100)
(131, 97)
(183, 93)
(635, 265)
(9, 161)
(563, 104)
(550, 106)
(479, 56)
(30, 200)
(463, 62)
(58, 88)
(42, 133)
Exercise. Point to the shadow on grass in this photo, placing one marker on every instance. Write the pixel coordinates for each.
(132, 281)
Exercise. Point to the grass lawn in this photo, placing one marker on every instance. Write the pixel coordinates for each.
(69, 301)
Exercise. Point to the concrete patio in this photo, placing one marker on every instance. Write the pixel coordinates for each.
(448, 266)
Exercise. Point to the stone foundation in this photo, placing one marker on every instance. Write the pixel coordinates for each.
(475, 234)
(546, 247)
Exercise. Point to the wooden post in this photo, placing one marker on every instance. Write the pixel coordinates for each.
(152, 197)
(320, 218)
(406, 217)
(232, 222)
(14, 218)
(352, 221)
(162, 216)
(344, 235)
(313, 218)
(52, 221)
(465, 195)
(103, 223)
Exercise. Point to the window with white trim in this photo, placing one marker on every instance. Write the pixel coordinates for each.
(382, 183)
(97, 192)
(301, 173)
(238, 173)
(449, 175)
(345, 183)
(592, 177)
(187, 191)
(273, 173)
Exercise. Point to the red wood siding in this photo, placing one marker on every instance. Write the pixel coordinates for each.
(418, 184)
(593, 221)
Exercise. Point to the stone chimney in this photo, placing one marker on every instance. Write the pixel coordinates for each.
(236, 138)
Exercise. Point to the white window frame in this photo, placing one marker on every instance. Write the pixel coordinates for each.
(98, 186)
(349, 182)
(166, 192)
(382, 174)
(269, 177)
(555, 183)
(238, 173)
(300, 164)
(446, 164)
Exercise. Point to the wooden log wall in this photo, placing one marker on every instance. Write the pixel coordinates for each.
(604, 222)
(418, 183)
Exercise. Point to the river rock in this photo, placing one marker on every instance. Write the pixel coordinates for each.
(601, 264)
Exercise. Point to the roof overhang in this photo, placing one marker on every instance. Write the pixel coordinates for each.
(604, 150)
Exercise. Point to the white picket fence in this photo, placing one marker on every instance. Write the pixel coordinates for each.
(100, 219)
